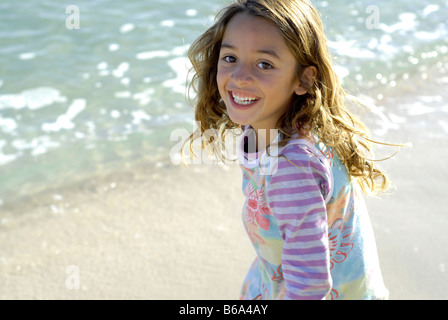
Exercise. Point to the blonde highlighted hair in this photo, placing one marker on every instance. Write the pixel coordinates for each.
(321, 111)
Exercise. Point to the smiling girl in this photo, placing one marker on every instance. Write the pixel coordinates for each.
(264, 67)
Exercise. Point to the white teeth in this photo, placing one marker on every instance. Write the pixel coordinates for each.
(243, 101)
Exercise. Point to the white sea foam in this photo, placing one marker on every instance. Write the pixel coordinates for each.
(128, 27)
(121, 69)
(104, 73)
(180, 66)
(6, 158)
(115, 114)
(153, 54)
(176, 51)
(33, 99)
(383, 45)
(181, 50)
(65, 121)
(342, 72)
(348, 48)
(433, 35)
(407, 23)
(418, 109)
(125, 82)
(425, 106)
(430, 9)
(102, 65)
(122, 94)
(113, 47)
(27, 55)
(191, 12)
(8, 125)
(36, 146)
(167, 23)
(424, 35)
(396, 118)
(430, 99)
(139, 116)
(144, 97)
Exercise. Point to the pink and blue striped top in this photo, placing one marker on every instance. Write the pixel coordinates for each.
(309, 226)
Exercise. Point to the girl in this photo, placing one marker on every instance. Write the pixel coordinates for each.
(264, 67)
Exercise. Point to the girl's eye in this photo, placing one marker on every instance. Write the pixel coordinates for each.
(229, 59)
(264, 66)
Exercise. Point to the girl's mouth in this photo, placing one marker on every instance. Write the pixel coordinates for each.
(242, 100)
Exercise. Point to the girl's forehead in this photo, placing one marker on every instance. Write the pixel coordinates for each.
(243, 22)
(247, 30)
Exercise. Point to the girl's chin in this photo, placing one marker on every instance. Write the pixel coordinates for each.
(238, 117)
(237, 120)
(243, 115)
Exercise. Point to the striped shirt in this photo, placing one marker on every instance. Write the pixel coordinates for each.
(309, 227)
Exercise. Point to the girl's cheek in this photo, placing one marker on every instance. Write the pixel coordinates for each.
(221, 76)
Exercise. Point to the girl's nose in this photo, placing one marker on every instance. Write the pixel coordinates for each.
(242, 75)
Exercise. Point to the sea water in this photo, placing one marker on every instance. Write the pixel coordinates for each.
(100, 85)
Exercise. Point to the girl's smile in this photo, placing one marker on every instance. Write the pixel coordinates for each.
(242, 100)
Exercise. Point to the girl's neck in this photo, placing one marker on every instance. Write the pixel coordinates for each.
(265, 137)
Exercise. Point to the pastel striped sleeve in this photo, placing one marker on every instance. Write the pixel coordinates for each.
(296, 194)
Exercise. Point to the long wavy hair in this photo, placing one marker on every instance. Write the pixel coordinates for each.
(321, 111)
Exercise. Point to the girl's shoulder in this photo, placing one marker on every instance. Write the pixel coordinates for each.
(306, 148)
(303, 155)
(305, 159)
(322, 159)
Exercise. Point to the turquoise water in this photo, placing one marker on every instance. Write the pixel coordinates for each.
(78, 102)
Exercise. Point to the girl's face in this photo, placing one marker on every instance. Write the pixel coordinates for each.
(256, 72)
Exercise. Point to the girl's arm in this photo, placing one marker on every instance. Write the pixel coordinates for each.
(296, 195)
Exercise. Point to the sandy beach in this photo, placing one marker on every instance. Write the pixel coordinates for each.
(160, 234)
(410, 224)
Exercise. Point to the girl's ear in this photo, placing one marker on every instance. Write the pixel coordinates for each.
(307, 80)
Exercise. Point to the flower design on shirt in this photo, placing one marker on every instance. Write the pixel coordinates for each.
(257, 208)
(339, 232)
(333, 295)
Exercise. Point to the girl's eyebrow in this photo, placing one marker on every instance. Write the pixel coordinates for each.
(264, 51)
